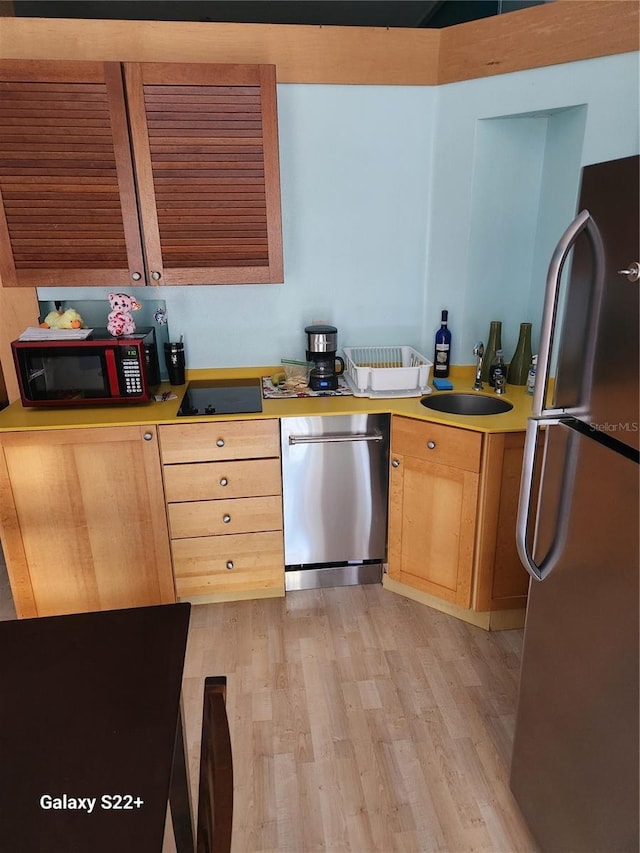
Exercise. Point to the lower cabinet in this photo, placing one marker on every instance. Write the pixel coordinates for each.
(110, 517)
(453, 497)
(83, 521)
(245, 565)
(502, 582)
(223, 490)
(433, 503)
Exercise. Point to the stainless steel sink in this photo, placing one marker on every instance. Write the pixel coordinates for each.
(466, 404)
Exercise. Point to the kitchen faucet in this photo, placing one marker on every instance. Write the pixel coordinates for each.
(478, 351)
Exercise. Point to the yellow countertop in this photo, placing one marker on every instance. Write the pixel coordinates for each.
(17, 418)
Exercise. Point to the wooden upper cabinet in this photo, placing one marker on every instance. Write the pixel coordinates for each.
(205, 146)
(69, 213)
(174, 182)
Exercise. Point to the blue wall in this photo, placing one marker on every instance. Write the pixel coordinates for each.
(509, 132)
(399, 201)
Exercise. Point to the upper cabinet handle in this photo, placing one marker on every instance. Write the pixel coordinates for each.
(136, 276)
(156, 276)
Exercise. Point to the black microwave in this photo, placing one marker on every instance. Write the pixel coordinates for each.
(97, 369)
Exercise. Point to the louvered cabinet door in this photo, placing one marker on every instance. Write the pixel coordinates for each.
(206, 155)
(68, 213)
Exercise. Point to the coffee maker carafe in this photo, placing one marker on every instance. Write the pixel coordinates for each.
(322, 343)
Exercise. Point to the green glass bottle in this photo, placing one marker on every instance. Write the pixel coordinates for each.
(493, 345)
(521, 361)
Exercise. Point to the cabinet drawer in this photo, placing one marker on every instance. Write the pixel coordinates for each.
(458, 448)
(221, 440)
(201, 481)
(212, 518)
(250, 561)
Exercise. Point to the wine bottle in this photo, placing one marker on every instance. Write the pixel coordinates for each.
(442, 354)
(521, 361)
(494, 344)
(496, 368)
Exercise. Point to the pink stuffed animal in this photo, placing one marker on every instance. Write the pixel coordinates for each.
(120, 321)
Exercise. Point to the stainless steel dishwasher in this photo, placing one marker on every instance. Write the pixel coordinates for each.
(335, 484)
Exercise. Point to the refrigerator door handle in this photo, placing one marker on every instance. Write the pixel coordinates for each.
(582, 222)
(540, 571)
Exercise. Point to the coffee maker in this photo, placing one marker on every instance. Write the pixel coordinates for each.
(322, 343)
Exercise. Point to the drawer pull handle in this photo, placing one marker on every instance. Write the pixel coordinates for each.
(147, 436)
(395, 463)
(226, 519)
(223, 481)
(431, 445)
(229, 564)
(220, 442)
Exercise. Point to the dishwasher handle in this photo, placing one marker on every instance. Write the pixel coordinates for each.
(335, 437)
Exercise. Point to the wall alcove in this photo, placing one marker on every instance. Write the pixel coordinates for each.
(526, 179)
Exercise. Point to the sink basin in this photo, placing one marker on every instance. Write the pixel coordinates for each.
(466, 404)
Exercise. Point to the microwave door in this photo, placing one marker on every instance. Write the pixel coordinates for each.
(60, 374)
(82, 373)
(32, 373)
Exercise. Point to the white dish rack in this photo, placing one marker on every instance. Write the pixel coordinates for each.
(393, 371)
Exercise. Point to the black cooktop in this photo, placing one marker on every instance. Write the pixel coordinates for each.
(221, 397)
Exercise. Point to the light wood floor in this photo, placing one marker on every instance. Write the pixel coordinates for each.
(360, 721)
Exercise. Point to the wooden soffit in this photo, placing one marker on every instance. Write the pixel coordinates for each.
(558, 32)
(562, 31)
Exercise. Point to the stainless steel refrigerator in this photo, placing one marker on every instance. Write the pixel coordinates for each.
(575, 760)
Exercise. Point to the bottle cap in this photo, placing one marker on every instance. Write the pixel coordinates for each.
(445, 316)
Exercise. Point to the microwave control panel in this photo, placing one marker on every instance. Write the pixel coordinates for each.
(131, 372)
